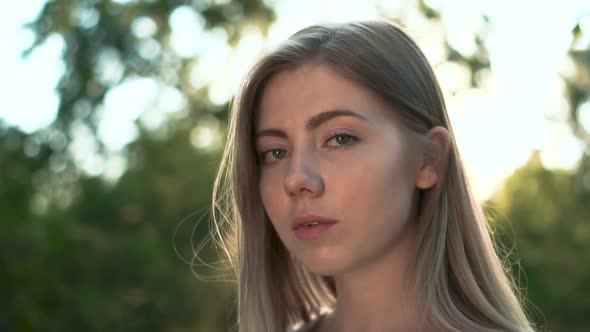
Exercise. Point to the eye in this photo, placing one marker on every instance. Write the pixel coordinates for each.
(275, 154)
(341, 140)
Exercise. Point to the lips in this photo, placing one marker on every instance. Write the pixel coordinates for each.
(310, 220)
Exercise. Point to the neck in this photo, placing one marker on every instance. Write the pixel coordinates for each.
(380, 296)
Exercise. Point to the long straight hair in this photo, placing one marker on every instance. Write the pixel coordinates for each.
(463, 284)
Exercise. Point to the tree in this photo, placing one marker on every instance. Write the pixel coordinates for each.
(98, 33)
(541, 217)
(578, 91)
(80, 252)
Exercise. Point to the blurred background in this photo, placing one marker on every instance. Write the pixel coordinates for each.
(113, 116)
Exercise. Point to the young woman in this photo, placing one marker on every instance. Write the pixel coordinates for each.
(342, 201)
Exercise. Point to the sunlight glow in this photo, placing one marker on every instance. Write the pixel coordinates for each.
(201, 137)
(519, 107)
(206, 135)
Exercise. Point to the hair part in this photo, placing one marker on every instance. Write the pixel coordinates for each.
(463, 284)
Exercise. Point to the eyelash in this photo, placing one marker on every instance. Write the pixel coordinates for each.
(353, 138)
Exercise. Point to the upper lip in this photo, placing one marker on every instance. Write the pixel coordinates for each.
(301, 219)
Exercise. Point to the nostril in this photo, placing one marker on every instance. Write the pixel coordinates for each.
(303, 183)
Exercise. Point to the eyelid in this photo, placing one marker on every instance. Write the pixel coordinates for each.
(334, 133)
(341, 132)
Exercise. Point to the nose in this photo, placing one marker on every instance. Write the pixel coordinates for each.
(303, 177)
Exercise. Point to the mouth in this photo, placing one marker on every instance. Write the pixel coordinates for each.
(310, 220)
(308, 226)
(310, 223)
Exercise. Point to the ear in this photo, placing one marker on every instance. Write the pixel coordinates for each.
(433, 157)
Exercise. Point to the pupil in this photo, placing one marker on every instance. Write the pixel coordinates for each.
(342, 139)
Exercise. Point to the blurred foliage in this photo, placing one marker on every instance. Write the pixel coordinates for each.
(478, 62)
(108, 261)
(578, 91)
(542, 218)
(87, 253)
(578, 82)
(80, 252)
(101, 33)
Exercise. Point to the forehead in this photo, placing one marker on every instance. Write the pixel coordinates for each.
(297, 93)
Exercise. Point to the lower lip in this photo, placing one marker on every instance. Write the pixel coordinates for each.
(313, 232)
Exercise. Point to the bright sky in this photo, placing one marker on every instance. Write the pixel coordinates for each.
(496, 126)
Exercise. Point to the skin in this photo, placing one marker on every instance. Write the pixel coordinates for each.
(365, 173)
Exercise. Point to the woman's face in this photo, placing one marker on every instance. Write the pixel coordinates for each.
(332, 148)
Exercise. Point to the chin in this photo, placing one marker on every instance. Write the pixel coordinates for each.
(321, 270)
(323, 265)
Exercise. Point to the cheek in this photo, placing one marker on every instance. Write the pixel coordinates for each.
(270, 195)
(265, 191)
(377, 189)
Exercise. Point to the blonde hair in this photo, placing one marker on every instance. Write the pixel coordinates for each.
(463, 284)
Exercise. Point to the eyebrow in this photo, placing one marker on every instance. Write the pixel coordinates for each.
(312, 123)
